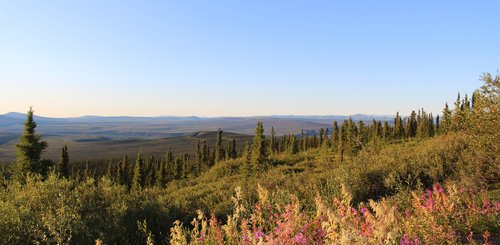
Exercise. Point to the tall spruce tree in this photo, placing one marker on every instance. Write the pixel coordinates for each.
(247, 166)
(29, 149)
(138, 175)
(259, 149)
(293, 147)
(446, 119)
(272, 142)
(219, 151)
(234, 152)
(335, 135)
(398, 127)
(63, 167)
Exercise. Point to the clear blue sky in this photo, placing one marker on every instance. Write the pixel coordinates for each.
(219, 58)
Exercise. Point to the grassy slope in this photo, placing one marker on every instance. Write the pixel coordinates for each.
(370, 175)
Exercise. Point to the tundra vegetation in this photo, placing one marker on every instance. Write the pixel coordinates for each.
(420, 179)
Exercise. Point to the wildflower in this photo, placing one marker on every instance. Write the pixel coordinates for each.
(259, 234)
(299, 239)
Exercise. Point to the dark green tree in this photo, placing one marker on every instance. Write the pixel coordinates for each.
(63, 167)
(247, 166)
(138, 178)
(259, 149)
(29, 149)
(446, 119)
(335, 135)
(234, 153)
(272, 142)
(293, 146)
(219, 151)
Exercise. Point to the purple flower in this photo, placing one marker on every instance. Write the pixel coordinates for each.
(429, 193)
(259, 234)
(299, 239)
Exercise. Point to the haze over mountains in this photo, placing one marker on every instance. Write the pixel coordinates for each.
(125, 134)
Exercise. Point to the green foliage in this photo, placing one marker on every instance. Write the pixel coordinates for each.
(137, 179)
(259, 150)
(63, 167)
(29, 149)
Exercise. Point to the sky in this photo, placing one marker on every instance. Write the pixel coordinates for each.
(242, 58)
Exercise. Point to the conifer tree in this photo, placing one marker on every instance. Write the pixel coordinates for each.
(321, 132)
(29, 149)
(412, 125)
(259, 149)
(219, 152)
(386, 131)
(335, 135)
(272, 142)
(149, 170)
(326, 140)
(169, 165)
(138, 178)
(63, 167)
(199, 158)
(160, 173)
(302, 141)
(446, 121)
(398, 127)
(205, 151)
(306, 142)
(437, 129)
(342, 140)
(234, 153)
(247, 166)
(293, 148)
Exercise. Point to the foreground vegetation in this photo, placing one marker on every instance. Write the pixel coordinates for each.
(417, 180)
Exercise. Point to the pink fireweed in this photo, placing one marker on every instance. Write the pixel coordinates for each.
(439, 215)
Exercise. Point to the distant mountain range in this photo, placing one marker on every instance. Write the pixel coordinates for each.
(80, 131)
(168, 126)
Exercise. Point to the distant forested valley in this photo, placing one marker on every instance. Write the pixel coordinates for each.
(413, 179)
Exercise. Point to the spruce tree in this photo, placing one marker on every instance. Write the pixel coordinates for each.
(199, 158)
(398, 127)
(335, 135)
(204, 153)
(169, 165)
(293, 148)
(342, 141)
(247, 167)
(63, 167)
(29, 149)
(219, 152)
(160, 173)
(138, 178)
(272, 141)
(234, 153)
(124, 171)
(259, 150)
(446, 120)
(412, 125)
